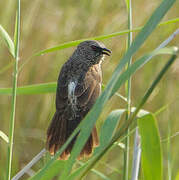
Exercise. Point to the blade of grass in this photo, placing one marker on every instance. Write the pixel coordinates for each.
(13, 104)
(32, 89)
(151, 148)
(8, 41)
(122, 130)
(172, 36)
(39, 89)
(102, 37)
(128, 92)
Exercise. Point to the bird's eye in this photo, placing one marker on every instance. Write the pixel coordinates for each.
(95, 48)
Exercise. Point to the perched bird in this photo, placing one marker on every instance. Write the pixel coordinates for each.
(79, 85)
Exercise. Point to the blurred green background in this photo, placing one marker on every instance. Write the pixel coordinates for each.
(45, 24)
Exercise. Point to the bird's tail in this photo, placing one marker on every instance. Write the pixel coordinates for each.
(59, 131)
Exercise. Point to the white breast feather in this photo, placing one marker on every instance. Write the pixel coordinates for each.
(72, 97)
(71, 90)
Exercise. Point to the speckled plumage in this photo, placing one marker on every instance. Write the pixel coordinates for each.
(79, 85)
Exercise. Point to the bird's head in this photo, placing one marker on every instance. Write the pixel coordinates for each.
(92, 51)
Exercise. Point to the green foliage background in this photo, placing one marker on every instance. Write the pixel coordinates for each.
(48, 23)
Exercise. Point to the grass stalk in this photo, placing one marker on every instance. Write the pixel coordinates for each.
(14, 89)
(128, 93)
(169, 151)
(136, 156)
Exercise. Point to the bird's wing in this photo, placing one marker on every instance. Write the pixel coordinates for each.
(89, 89)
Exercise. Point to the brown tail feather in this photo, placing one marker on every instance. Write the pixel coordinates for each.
(59, 131)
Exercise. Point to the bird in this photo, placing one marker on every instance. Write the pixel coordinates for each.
(78, 87)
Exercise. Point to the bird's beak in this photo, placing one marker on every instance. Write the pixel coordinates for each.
(106, 51)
